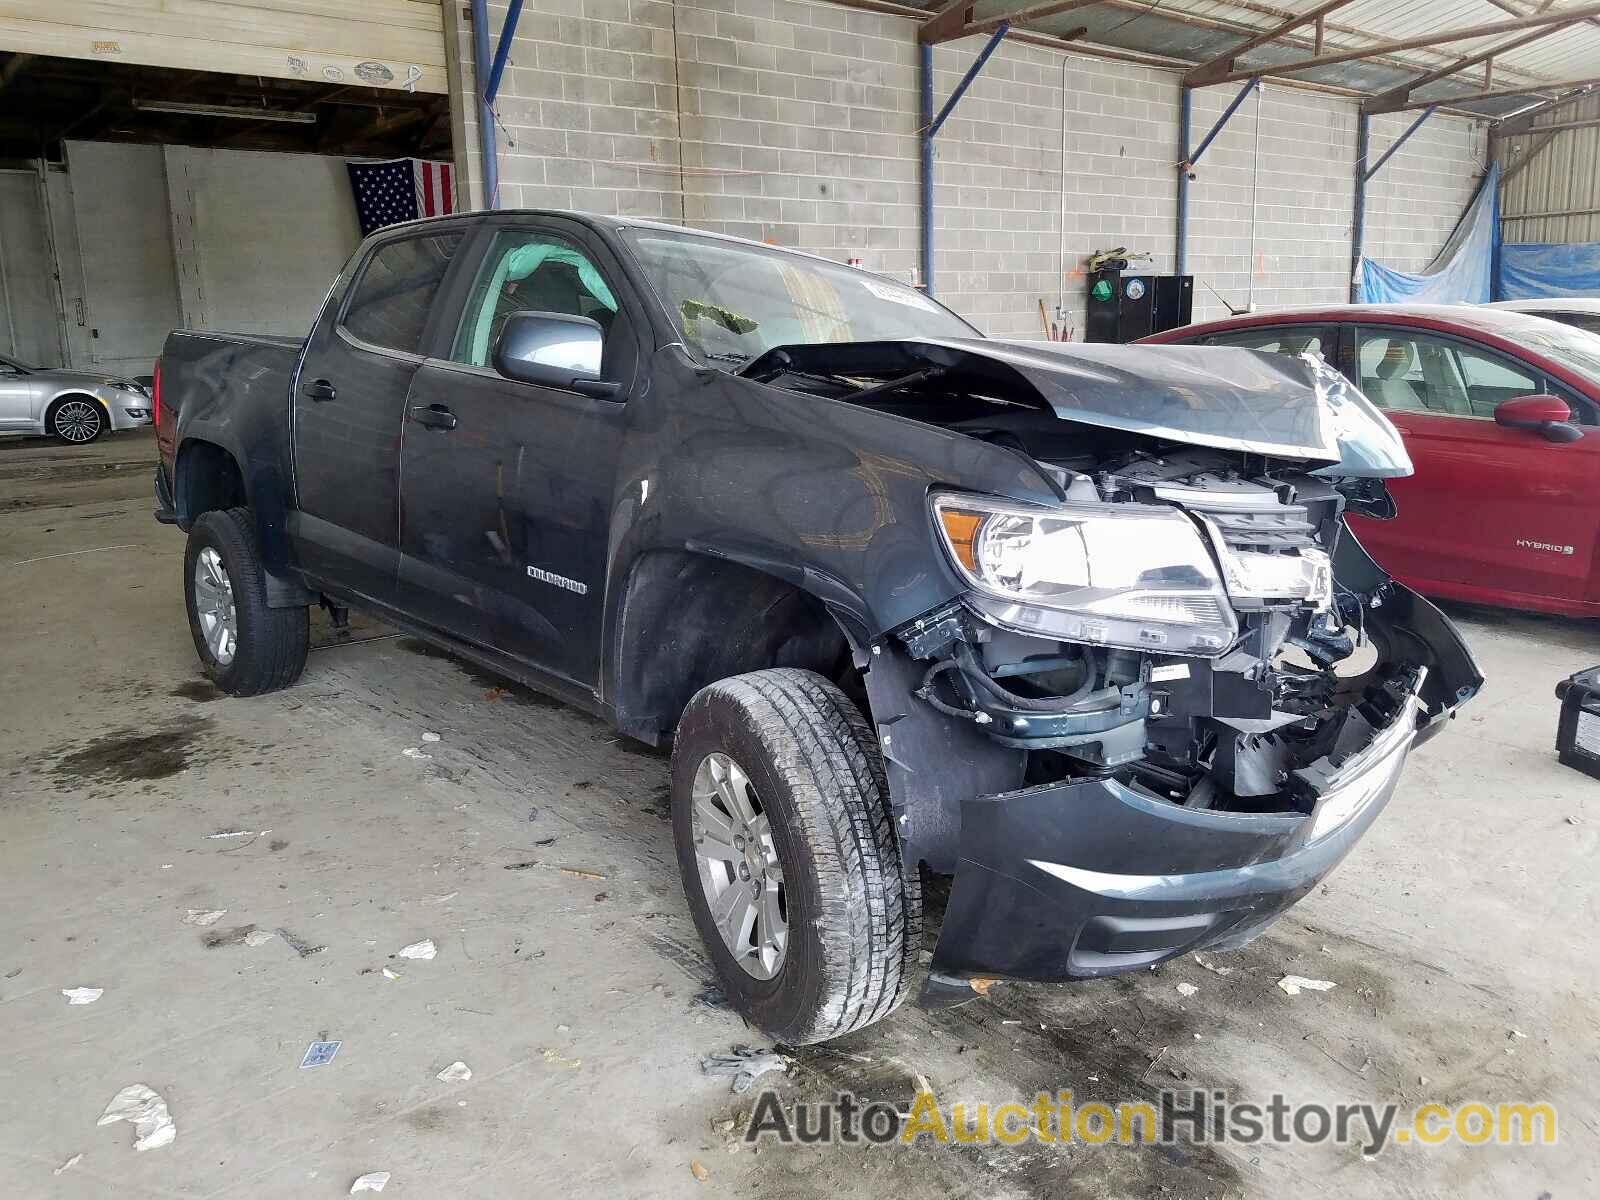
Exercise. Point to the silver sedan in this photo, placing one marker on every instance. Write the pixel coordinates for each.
(72, 406)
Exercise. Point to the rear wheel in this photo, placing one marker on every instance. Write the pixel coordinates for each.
(245, 646)
(788, 855)
(76, 420)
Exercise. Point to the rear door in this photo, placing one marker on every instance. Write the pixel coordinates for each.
(505, 514)
(17, 396)
(349, 402)
(1490, 512)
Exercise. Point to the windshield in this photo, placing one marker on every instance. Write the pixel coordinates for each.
(1575, 349)
(732, 301)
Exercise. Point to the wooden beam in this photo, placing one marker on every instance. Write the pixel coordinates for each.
(1558, 19)
(957, 20)
(1386, 101)
(1200, 75)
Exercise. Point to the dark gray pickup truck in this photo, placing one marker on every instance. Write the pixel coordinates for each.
(1080, 626)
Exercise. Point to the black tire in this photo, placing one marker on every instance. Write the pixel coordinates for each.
(853, 914)
(76, 433)
(271, 645)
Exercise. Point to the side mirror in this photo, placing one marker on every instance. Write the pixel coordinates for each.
(553, 350)
(1546, 415)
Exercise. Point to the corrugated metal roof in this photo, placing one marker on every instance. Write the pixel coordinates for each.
(1556, 196)
(1196, 30)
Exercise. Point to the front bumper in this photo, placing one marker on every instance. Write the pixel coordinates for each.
(1079, 880)
(128, 410)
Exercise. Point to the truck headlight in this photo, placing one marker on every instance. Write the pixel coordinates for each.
(1118, 575)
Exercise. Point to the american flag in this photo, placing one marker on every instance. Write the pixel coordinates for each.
(401, 189)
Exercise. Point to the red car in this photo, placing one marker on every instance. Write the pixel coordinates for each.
(1501, 414)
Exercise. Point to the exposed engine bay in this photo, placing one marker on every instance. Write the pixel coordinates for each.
(1195, 622)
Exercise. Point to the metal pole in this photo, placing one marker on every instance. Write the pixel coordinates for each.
(1359, 219)
(502, 52)
(1185, 106)
(925, 111)
(481, 71)
(1399, 141)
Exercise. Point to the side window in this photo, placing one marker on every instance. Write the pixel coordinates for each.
(531, 271)
(1292, 340)
(389, 303)
(1418, 372)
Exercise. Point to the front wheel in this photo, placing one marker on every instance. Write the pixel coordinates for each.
(789, 857)
(76, 420)
(245, 646)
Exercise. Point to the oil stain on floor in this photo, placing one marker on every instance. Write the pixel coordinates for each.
(132, 754)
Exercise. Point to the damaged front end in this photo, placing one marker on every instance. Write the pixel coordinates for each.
(1160, 711)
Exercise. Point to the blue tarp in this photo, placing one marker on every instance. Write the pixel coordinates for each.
(1534, 269)
(1461, 273)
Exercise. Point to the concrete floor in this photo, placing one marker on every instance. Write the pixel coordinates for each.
(1469, 911)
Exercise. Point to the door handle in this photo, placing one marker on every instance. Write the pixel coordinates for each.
(434, 416)
(320, 390)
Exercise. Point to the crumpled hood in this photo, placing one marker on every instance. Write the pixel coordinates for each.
(88, 379)
(1231, 399)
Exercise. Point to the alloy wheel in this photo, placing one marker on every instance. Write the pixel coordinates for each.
(214, 607)
(740, 874)
(78, 421)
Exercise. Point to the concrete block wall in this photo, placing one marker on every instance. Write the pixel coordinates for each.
(795, 122)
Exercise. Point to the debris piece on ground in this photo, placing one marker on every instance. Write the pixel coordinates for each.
(522, 866)
(88, 995)
(258, 937)
(1187, 989)
(580, 873)
(152, 1123)
(745, 1064)
(227, 937)
(448, 896)
(372, 1181)
(1293, 985)
(424, 949)
(415, 752)
(698, 1170)
(299, 945)
(1514, 1033)
(1211, 966)
(388, 974)
(234, 833)
(982, 985)
(710, 996)
(68, 1165)
(430, 736)
(319, 1054)
(204, 916)
(456, 1072)
(556, 1059)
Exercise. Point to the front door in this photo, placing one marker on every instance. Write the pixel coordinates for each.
(1489, 509)
(18, 396)
(349, 402)
(507, 488)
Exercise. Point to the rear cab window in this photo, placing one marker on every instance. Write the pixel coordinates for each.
(389, 304)
(1292, 340)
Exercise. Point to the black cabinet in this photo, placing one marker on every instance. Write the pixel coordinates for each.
(1125, 308)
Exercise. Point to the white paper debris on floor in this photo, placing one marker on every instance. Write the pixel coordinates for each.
(430, 736)
(388, 974)
(456, 1072)
(258, 937)
(235, 833)
(415, 752)
(68, 1165)
(1212, 967)
(82, 995)
(372, 1181)
(1293, 985)
(152, 1124)
(205, 916)
(1187, 989)
(423, 949)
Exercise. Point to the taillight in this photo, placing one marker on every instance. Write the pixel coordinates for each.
(155, 396)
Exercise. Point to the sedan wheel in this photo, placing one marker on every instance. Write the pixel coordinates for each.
(77, 421)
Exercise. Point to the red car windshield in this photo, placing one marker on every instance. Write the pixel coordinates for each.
(1575, 349)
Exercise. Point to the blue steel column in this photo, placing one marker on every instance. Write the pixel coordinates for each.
(925, 117)
(1185, 107)
(1359, 220)
(481, 73)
